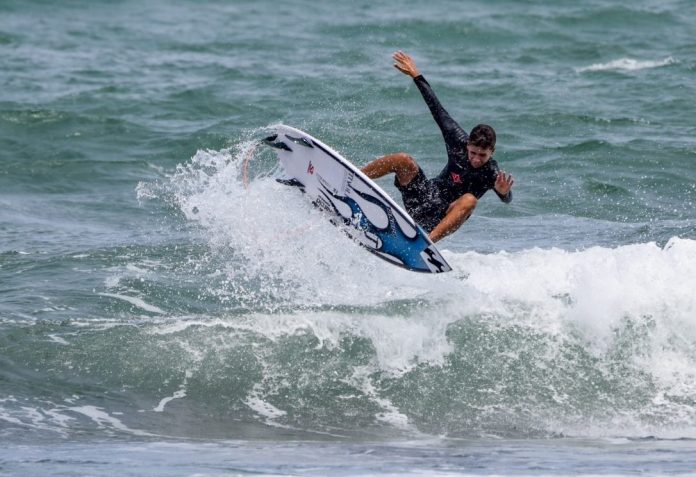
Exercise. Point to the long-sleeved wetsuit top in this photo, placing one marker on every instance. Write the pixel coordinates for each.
(459, 176)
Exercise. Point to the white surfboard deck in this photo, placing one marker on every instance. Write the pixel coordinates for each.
(354, 202)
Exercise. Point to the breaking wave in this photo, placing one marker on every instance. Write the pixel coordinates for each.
(303, 333)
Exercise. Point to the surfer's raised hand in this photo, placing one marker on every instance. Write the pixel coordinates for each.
(405, 64)
(503, 183)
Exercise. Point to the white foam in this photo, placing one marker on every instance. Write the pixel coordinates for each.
(628, 64)
(264, 408)
(181, 393)
(104, 420)
(285, 247)
(400, 342)
(271, 227)
(292, 259)
(5, 416)
(57, 418)
(58, 339)
(390, 414)
(38, 418)
(139, 302)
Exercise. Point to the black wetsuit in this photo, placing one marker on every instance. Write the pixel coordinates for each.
(427, 200)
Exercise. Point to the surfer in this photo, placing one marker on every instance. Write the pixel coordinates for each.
(441, 205)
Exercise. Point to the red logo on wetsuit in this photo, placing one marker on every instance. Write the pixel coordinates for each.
(455, 178)
(310, 168)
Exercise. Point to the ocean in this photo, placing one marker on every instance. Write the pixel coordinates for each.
(168, 309)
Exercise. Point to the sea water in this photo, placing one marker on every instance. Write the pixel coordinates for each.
(168, 308)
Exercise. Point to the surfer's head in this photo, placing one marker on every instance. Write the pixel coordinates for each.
(481, 145)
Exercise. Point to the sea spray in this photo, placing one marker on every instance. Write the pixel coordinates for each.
(532, 343)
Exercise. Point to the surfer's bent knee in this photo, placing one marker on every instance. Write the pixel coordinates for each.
(468, 200)
(466, 203)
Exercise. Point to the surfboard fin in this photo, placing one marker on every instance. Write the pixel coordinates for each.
(271, 141)
(292, 183)
(299, 140)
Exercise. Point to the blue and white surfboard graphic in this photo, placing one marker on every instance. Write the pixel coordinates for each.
(354, 202)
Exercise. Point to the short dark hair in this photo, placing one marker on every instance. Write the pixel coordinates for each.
(482, 136)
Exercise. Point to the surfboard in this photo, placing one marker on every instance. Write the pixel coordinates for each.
(353, 202)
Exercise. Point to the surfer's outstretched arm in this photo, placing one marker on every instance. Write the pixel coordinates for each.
(453, 133)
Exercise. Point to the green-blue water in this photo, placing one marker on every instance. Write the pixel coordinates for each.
(167, 308)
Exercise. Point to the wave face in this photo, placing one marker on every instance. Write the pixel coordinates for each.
(276, 324)
(156, 281)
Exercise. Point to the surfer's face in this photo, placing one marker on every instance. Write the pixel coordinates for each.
(478, 156)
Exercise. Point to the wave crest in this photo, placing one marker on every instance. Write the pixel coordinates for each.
(628, 64)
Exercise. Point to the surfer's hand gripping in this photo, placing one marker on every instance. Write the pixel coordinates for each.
(405, 64)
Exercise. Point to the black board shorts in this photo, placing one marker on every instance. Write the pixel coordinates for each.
(422, 201)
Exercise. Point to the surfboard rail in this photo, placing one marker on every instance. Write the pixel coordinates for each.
(363, 210)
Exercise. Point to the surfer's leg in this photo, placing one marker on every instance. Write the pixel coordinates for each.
(401, 164)
(457, 213)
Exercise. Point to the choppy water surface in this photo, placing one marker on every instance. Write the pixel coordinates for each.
(168, 308)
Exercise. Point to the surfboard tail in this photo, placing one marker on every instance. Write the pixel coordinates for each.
(434, 261)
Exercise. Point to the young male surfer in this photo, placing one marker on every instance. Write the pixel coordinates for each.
(441, 205)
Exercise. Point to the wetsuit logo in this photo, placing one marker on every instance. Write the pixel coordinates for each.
(456, 178)
(310, 168)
